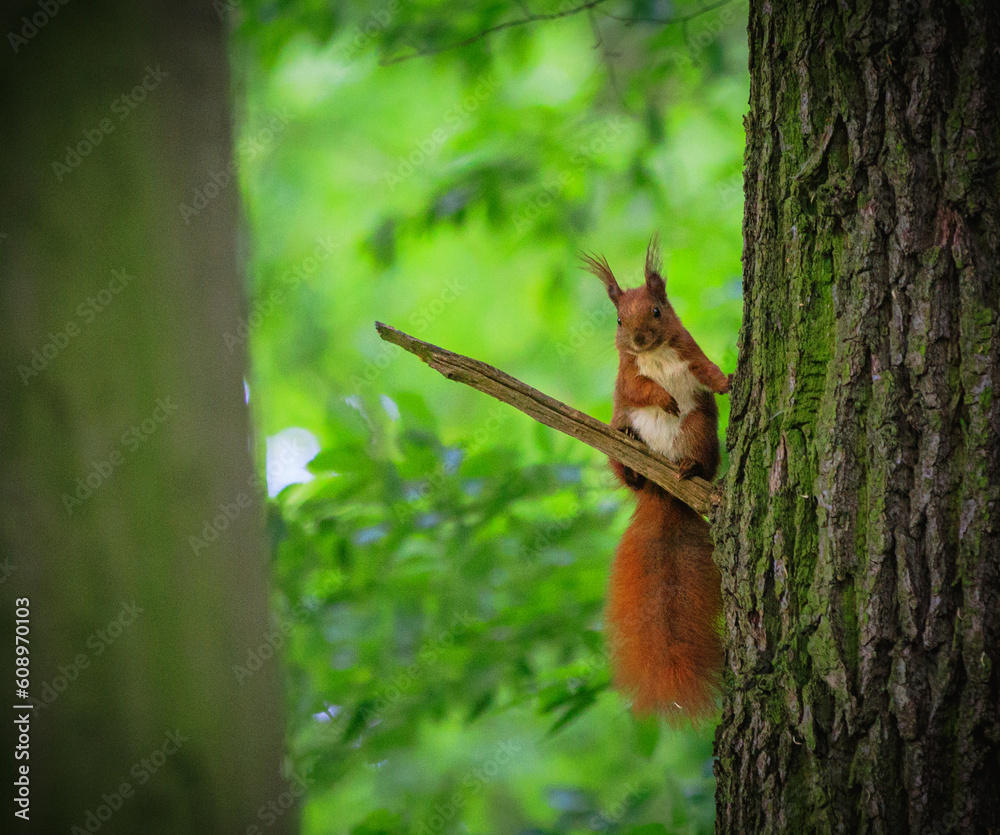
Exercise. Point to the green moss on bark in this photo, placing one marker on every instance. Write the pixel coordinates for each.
(860, 535)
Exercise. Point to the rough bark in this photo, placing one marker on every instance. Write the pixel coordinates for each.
(858, 536)
(134, 630)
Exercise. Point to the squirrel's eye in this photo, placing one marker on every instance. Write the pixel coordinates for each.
(656, 313)
(619, 320)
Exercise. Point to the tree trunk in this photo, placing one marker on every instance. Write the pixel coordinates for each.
(131, 524)
(858, 537)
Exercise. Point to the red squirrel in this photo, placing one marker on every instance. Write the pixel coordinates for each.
(664, 596)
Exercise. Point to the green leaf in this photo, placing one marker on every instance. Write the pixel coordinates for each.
(380, 822)
(645, 829)
(581, 702)
(647, 732)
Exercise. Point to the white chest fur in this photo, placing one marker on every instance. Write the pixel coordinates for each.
(658, 430)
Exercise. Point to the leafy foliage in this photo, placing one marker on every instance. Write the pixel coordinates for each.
(441, 579)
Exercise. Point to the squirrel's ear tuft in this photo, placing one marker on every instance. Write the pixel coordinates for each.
(654, 277)
(599, 267)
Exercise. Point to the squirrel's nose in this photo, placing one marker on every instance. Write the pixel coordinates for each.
(640, 340)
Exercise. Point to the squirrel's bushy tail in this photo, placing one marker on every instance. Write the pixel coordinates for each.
(664, 604)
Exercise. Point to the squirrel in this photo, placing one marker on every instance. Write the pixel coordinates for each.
(664, 596)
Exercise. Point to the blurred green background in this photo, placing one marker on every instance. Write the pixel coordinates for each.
(440, 569)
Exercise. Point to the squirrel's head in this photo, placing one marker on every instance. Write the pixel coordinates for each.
(645, 318)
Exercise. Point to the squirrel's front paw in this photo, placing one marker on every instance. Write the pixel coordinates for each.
(718, 382)
(711, 376)
(669, 405)
(688, 468)
(627, 429)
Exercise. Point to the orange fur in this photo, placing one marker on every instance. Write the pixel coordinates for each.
(664, 603)
(664, 599)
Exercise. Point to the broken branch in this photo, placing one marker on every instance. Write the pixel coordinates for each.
(701, 495)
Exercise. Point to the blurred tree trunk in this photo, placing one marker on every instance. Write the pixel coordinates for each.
(859, 537)
(130, 521)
